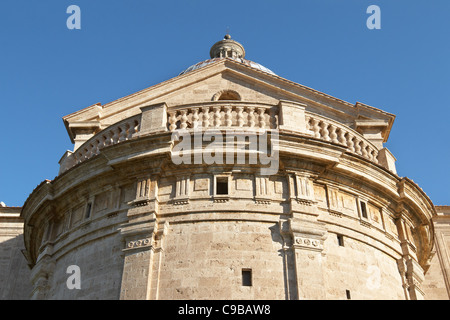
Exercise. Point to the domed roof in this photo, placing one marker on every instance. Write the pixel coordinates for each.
(227, 49)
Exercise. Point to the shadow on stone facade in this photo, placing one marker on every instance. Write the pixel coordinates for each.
(15, 274)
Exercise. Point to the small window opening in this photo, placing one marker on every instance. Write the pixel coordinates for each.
(229, 95)
(247, 277)
(363, 209)
(222, 185)
(340, 239)
(88, 210)
(347, 293)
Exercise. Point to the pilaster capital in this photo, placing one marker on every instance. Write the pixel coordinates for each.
(307, 234)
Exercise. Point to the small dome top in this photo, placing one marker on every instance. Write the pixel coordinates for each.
(227, 48)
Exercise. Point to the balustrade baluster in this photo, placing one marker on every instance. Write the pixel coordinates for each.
(240, 116)
(308, 123)
(115, 135)
(172, 120)
(358, 146)
(89, 151)
(324, 132)
(341, 136)
(123, 132)
(261, 117)
(272, 118)
(228, 120)
(95, 149)
(333, 134)
(350, 142)
(205, 111)
(316, 128)
(195, 117)
(184, 119)
(217, 116)
(364, 150)
(375, 156)
(251, 116)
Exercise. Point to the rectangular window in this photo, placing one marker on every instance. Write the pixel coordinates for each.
(363, 209)
(247, 277)
(340, 239)
(222, 185)
(347, 293)
(88, 210)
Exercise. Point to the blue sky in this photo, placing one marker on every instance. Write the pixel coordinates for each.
(48, 71)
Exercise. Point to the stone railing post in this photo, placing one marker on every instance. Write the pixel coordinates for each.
(292, 116)
(387, 160)
(153, 119)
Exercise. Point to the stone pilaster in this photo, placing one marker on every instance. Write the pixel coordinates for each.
(182, 190)
(139, 237)
(42, 274)
(263, 193)
(301, 193)
(308, 237)
(156, 260)
(410, 270)
(305, 236)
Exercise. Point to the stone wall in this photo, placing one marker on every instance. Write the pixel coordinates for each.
(437, 279)
(366, 272)
(100, 264)
(205, 260)
(15, 273)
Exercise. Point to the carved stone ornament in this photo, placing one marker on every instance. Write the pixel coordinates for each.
(307, 243)
(133, 244)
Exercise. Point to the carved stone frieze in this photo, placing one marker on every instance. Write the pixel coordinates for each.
(133, 244)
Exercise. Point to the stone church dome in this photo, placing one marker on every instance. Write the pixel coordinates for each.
(227, 49)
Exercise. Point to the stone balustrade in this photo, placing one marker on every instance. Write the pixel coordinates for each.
(222, 115)
(329, 130)
(113, 134)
